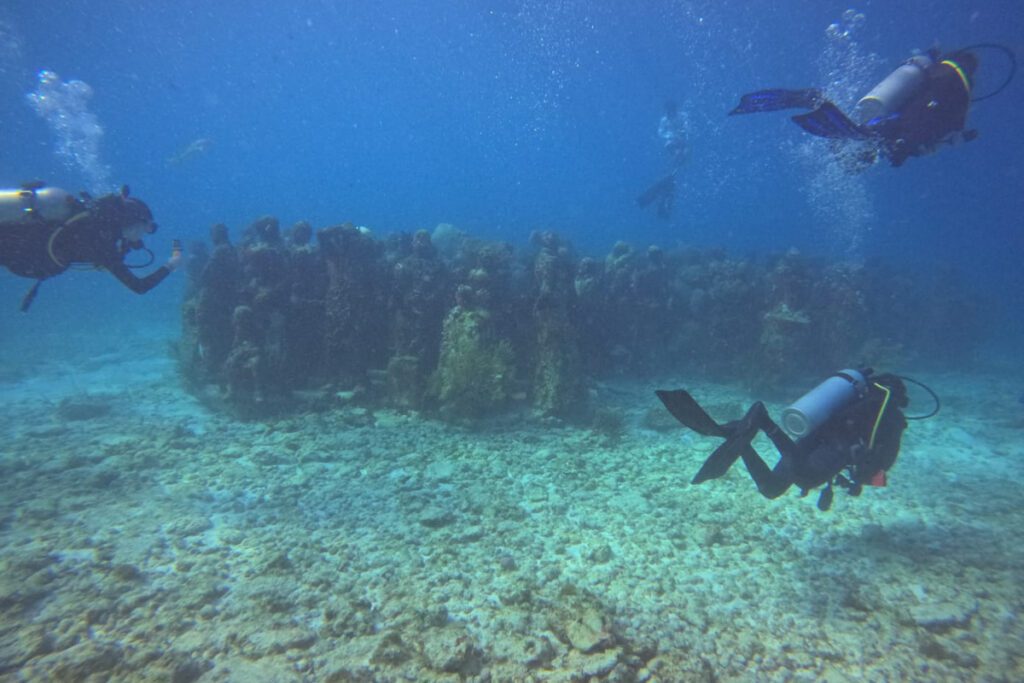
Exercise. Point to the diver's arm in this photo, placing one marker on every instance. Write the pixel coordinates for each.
(139, 285)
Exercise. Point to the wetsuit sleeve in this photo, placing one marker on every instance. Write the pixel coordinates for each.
(139, 285)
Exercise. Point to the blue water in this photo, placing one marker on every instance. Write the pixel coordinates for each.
(503, 117)
(172, 538)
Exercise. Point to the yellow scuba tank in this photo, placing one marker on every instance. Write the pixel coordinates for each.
(48, 203)
(894, 91)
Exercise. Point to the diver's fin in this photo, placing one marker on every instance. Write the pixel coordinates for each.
(776, 99)
(828, 121)
(665, 186)
(684, 408)
(737, 444)
(719, 462)
(30, 296)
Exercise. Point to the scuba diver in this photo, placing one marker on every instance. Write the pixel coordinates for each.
(672, 131)
(920, 105)
(845, 432)
(44, 231)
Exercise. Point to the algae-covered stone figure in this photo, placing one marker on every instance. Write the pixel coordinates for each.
(787, 332)
(419, 287)
(304, 313)
(355, 322)
(265, 270)
(216, 300)
(619, 268)
(245, 370)
(189, 351)
(476, 369)
(557, 382)
(727, 315)
(591, 311)
(839, 305)
(265, 289)
(651, 308)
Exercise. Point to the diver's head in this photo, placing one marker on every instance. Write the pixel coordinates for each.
(671, 109)
(129, 215)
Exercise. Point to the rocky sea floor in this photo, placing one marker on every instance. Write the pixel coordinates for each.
(143, 537)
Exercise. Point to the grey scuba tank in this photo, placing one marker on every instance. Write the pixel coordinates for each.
(815, 407)
(49, 203)
(895, 89)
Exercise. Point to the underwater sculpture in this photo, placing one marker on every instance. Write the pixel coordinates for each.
(474, 330)
(303, 324)
(354, 313)
(475, 372)
(558, 380)
(419, 293)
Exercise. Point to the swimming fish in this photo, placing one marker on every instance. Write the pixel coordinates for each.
(192, 149)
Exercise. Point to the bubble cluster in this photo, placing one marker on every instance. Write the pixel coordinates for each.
(839, 199)
(846, 67)
(10, 48)
(64, 105)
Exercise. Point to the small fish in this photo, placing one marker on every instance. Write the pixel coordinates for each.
(192, 149)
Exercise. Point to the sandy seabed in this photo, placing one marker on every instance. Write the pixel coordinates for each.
(146, 538)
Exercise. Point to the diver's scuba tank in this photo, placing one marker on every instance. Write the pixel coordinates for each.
(35, 201)
(894, 91)
(815, 407)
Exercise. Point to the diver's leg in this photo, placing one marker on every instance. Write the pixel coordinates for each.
(771, 483)
(665, 185)
(665, 205)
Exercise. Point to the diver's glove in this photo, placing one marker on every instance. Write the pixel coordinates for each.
(175, 260)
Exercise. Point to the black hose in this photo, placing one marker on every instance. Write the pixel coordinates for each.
(935, 397)
(1009, 77)
(147, 264)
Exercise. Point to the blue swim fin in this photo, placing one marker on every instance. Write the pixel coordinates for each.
(828, 121)
(776, 99)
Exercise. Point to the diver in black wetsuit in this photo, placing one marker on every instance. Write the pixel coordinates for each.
(44, 231)
(920, 105)
(848, 434)
(672, 131)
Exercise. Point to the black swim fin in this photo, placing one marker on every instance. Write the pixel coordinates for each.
(777, 99)
(665, 186)
(737, 443)
(688, 412)
(828, 121)
(684, 408)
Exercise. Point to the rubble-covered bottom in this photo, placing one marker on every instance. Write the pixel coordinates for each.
(144, 538)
